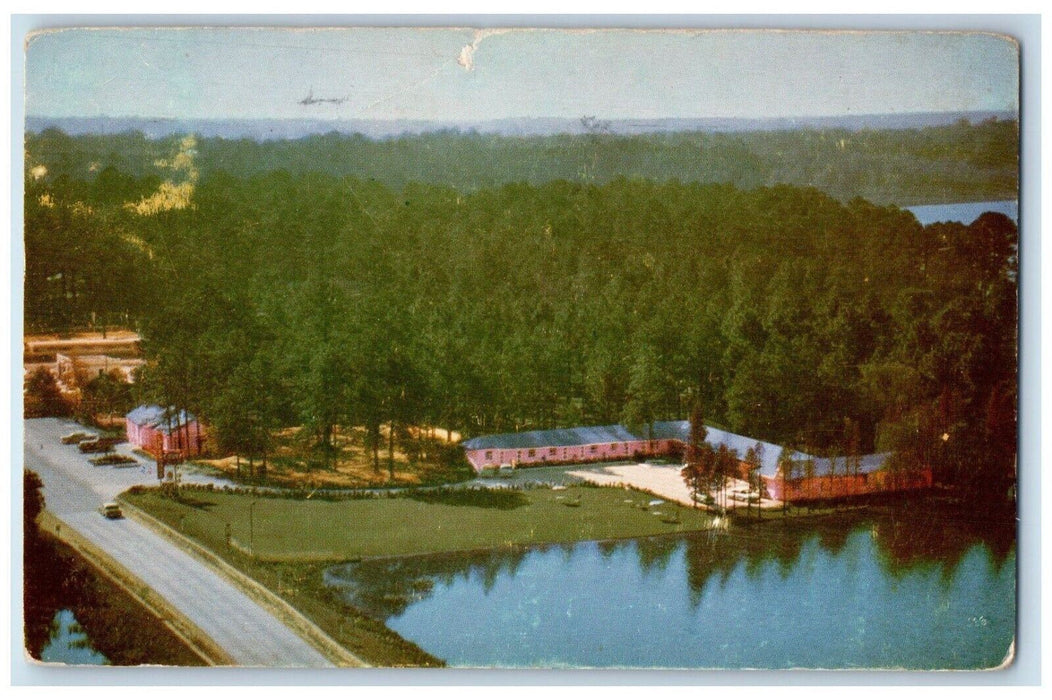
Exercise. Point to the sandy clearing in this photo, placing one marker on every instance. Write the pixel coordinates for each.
(660, 479)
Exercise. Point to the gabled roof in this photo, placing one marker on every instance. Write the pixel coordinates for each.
(867, 464)
(565, 437)
(659, 430)
(166, 420)
(680, 430)
(145, 415)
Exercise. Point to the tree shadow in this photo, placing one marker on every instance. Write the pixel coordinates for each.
(190, 500)
(475, 498)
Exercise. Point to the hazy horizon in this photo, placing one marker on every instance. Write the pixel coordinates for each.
(538, 117)
(267, 129)
(466, 75)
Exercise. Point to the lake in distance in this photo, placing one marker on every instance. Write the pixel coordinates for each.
(964, 212)
(879, 591)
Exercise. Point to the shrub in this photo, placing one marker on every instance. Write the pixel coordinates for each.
(112, 458)
(42, 396)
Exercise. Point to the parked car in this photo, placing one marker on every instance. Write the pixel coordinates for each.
(99, 444)
(111, 511)
(76, 437)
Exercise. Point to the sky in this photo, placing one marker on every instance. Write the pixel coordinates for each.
(477, 75)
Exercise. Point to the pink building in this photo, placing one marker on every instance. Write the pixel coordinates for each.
(164, 431)
(566, 446)
(601, 444)
(823, 479)
(809, 478)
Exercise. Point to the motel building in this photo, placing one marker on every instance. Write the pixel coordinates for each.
(164, 431)
(811, 479)
(808, 478)
(601, 444)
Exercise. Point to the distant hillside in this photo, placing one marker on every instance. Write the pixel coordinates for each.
(959, 161)
(270, 129)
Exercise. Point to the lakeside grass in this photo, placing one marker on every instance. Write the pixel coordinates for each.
(425, 522)
(300, 538)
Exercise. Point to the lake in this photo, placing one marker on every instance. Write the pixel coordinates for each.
(964, 212)
(68, 642)
(931, 590)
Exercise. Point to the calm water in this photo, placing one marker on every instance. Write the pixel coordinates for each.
(965, 212)
(874, 592)
(69, 644)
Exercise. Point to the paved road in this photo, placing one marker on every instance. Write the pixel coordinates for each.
(74, 490)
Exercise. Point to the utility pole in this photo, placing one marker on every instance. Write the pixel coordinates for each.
(252, 528)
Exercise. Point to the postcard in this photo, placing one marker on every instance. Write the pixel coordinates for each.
(564, 348)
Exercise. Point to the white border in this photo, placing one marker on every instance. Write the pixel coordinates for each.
(1025, 671)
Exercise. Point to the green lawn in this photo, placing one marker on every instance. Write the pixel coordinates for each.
(287, 529)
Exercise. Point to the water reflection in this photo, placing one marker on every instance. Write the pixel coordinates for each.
(944, 535)
(921, 585)
(68, 642)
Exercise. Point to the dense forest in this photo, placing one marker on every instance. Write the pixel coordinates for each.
(300, 297)
(959, 162)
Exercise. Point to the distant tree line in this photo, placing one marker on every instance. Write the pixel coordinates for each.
(313, 300)
(958, 162)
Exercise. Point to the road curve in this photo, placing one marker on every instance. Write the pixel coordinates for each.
(73, 491)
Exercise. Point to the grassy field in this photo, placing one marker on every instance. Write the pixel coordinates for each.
(297, 539)
(281, 529)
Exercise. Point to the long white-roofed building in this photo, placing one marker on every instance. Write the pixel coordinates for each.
(795, 476)
(601, 444)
